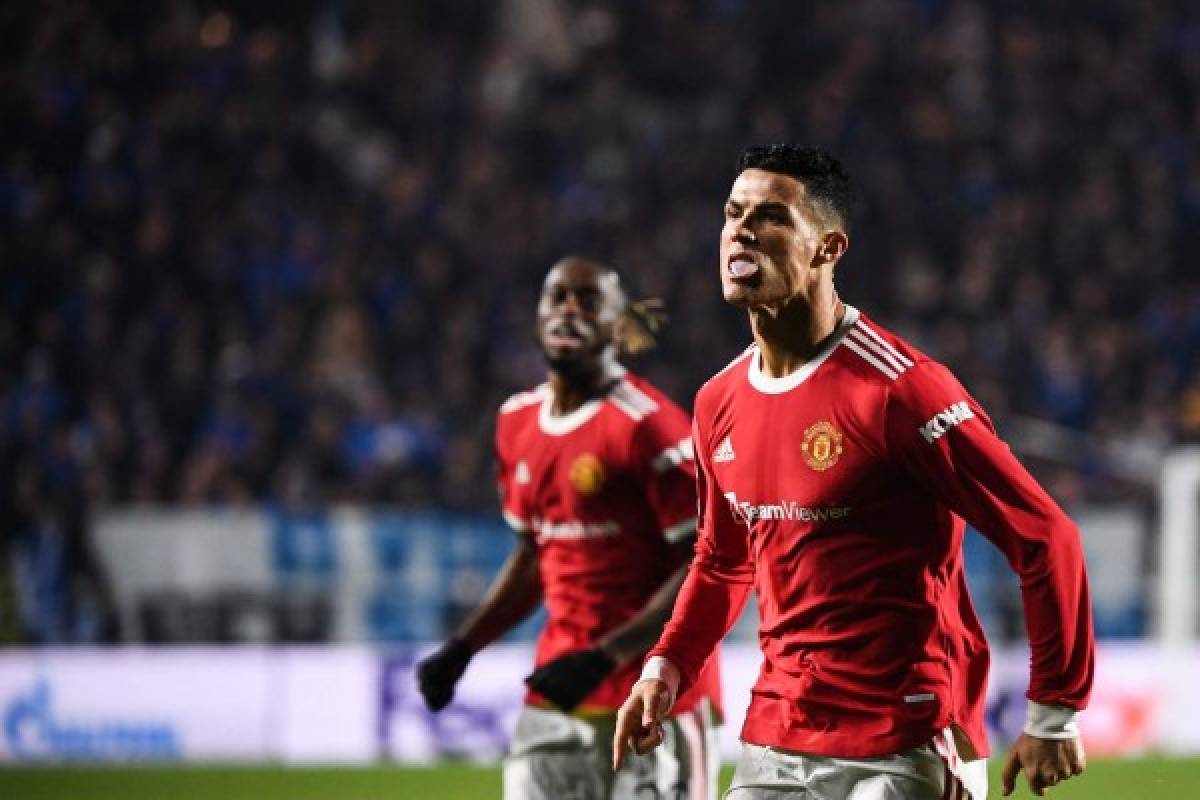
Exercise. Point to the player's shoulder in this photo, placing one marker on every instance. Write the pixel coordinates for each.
(881, 355)
(720, 385)
(655, 426)
(524, 401)
(638, 400)
(910, 375)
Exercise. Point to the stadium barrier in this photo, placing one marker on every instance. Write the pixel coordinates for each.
(352, 574)
(358, 704)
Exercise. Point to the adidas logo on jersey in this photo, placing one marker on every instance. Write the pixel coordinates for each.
(724, 452)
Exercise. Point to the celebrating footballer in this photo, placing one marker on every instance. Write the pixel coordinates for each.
(598, 480)
(838, 466)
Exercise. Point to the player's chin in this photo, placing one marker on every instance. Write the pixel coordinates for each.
(741, 295)
(568, 361)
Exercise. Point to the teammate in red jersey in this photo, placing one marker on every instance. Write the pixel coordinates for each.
(837, 465)
(598, 479)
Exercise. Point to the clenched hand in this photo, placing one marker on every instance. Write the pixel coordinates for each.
(1045, 762)
(568, 679)
(438, 673)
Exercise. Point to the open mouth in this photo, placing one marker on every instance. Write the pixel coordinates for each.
(564, 336)
(742, 266)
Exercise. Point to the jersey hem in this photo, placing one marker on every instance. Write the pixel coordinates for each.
(847, 745)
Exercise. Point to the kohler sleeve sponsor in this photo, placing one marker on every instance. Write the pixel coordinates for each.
(943, 421)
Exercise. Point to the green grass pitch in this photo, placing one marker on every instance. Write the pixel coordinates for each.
(1151, 778)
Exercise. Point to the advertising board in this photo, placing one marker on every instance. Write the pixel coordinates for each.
(359, 704)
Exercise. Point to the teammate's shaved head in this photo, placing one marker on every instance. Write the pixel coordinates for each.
(580, 269)
(579, 317)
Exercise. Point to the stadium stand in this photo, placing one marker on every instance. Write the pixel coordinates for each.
(289, 257)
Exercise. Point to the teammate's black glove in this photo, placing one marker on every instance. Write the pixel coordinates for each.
(568, 679)
(439, 672)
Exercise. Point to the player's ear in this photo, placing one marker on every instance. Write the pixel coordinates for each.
(834, 245)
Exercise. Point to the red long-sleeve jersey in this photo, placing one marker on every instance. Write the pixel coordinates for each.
(839, 494)
(604, 490)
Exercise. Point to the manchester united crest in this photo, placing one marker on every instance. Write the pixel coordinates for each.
(586, 474)
(822, 445)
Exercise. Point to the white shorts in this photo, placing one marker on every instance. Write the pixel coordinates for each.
(932, 771)
(557, 756)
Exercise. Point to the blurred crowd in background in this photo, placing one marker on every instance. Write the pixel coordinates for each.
(289, 254)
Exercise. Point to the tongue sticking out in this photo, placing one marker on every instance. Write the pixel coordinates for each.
(742, 267)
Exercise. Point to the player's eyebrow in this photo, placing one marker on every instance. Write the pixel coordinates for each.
(582, 291)
(765, 206)
(773, 205)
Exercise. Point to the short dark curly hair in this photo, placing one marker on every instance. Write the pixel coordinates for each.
(829, 187)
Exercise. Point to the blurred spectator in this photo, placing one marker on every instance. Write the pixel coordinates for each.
(288, 255)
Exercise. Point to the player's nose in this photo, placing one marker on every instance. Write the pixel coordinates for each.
(743, 232)
(570, 304)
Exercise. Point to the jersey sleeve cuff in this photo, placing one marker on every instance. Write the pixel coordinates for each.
(658, 668)
(516, 523)
(1051, 722)
(680, 530)
(674, 455)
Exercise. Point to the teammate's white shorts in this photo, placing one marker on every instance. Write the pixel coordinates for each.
(557, 756)
(932, 771)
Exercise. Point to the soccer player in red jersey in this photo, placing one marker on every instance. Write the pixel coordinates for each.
(837, 466)
(598, 479)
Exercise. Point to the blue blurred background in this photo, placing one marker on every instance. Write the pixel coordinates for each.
(288, 257)
(267, 272)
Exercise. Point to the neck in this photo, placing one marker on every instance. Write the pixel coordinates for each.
(573, 390)
(791, 335)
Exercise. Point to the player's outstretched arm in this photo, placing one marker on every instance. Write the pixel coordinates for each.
(949, 444)
(639, 721)
(1045, 762)
(513, 595)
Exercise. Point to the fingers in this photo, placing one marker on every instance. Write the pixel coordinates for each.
(1063, 764)
(1045, 762)
(1077, 758)
(1008, 775)
(630, 733)
(436, 693)
(438, 673)
(655, 709)
(1049, 774)
(627, 727)
(652, 739)
(1034, 778)
(639, 722)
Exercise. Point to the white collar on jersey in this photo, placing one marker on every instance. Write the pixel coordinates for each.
(769, 385)
(561, 424)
